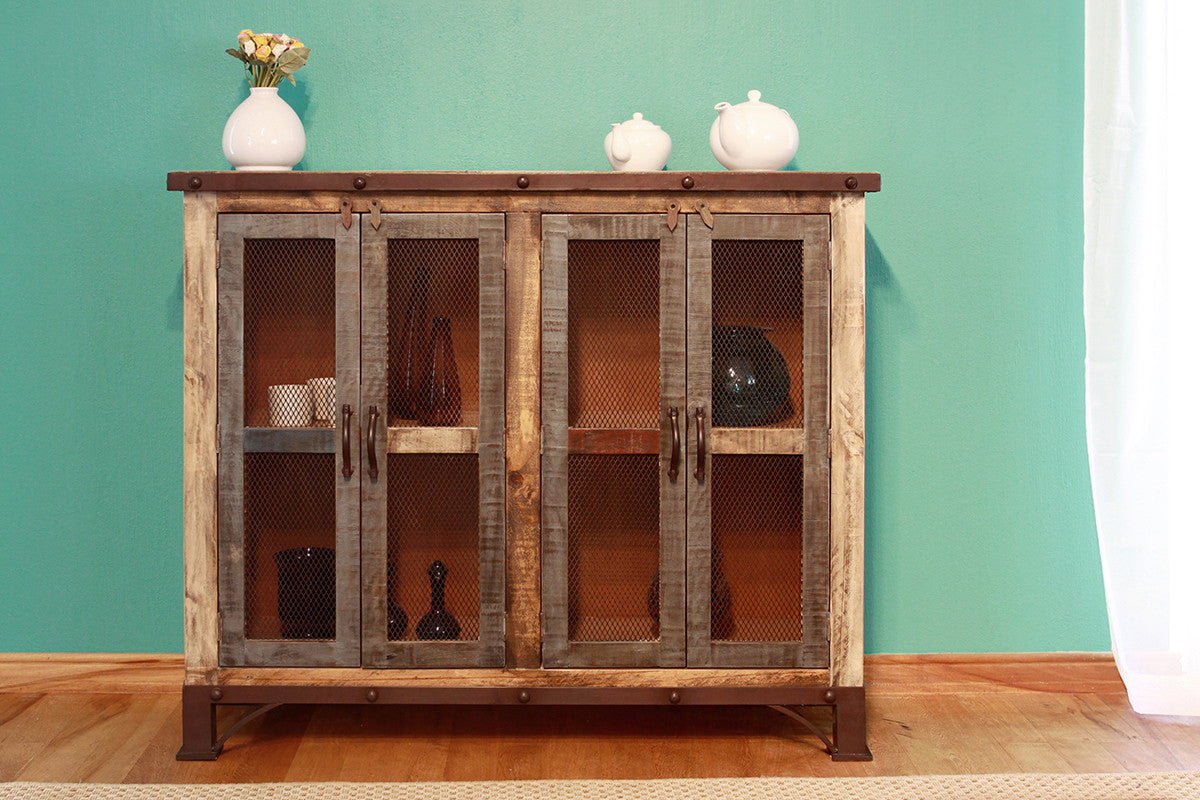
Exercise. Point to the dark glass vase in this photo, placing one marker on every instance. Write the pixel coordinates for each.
(441, 396)
(307, 593)
(438, 623)
(397, 620)
(750, 380)
(407, 383)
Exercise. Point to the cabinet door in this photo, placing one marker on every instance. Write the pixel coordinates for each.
(433, 463)
(288, 562)
(758, 493)
(613, 350)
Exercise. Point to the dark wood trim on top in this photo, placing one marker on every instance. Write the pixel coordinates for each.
(403, 181)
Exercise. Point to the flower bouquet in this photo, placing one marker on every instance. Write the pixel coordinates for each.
(269, 57)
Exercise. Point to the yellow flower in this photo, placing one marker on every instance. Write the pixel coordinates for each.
(263, 53)
(260, 39)
(296, 43)
(245, 33)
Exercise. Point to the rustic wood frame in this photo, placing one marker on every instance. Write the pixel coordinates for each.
(809, 443)
(487, 441)
(236, 649)
(558, 650)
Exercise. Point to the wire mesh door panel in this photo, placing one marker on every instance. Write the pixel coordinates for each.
(433, 492)
(758, 526)
(288, 374)
(613, 329)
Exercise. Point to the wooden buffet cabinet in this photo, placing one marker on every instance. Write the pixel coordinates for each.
(593, 438)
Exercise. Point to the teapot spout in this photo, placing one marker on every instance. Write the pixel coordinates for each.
(731, 129)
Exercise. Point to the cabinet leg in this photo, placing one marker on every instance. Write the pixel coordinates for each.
(850, 725)
(199, 726)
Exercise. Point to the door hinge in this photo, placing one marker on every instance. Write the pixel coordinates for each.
(217, 259)
(829, 445)
(541, 441)
(218, 439)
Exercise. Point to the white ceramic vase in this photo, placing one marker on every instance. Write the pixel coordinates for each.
(263, 133)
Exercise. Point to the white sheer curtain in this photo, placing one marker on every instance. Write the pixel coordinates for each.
(1142, 315)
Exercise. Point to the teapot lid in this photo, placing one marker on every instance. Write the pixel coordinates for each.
(638, 123)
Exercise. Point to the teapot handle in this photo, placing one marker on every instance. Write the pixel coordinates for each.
(620, 144)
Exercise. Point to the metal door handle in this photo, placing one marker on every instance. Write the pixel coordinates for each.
(372, 465)
(700, 444)
(673, 472)
(347, 468)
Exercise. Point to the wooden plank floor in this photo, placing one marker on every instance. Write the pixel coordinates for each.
(116, 719)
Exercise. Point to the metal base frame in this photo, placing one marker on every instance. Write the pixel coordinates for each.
(847, 743)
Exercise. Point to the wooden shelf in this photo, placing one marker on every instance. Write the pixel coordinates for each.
(432, 440)
(289, 440)
(767, 441)
(614, 441)
(283, 676)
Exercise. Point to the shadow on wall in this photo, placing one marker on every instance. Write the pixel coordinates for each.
(889, 318)
(174, 312)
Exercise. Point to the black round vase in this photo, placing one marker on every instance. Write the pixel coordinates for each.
(750, 380)
(307, 592)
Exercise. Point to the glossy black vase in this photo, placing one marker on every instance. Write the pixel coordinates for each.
(307, 593)
(750, 380)
(438, 623)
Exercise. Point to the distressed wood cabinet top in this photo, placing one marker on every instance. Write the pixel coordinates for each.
(404, 181)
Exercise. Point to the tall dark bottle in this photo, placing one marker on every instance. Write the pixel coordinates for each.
(406, 385)
(397, 620)
(441, 395)
(438, 623)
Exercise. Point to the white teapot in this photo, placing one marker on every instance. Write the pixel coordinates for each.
(753, 135)
(637, 145)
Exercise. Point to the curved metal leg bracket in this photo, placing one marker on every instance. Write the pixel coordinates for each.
(787, 712)
(235, 727)
(200, 741)
(849, 740)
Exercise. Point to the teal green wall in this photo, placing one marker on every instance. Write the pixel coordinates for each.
(979, 518)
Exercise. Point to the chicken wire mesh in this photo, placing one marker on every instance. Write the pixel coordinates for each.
(758, 336)
(433, 518)
(430, 279)
(290, 534)
(757, 550)
(613, 333)
(289, 325)
(612, 547)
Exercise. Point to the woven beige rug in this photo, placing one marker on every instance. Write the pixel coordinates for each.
(1132, 786)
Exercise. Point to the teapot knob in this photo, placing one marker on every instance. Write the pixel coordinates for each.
(755, 95)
